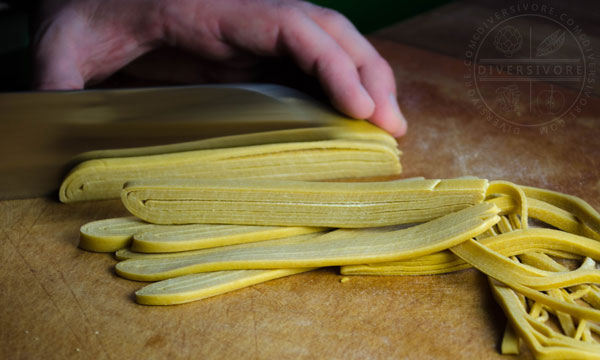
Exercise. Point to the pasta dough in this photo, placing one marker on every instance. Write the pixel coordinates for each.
(113, 234)
(350, 149)
(194, 287)
(292, 203)
(339, 247)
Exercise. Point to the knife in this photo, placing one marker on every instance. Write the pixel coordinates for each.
(42, 131)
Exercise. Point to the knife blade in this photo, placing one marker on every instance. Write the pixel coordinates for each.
(42, 131)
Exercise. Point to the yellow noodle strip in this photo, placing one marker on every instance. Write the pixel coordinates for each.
(400, 271)
(299, 203)
(515, 223)
(339, 247)
(516, 242)
(125, 254)
(542, 316)
(583, 291)
(504, 225)
(340, 156)
(547, 213)
(175, 238)
(593, 297)
(349, 130)
(194, 287)
(578, 207)
(535, 334)
(438, 263)
(540, 281)
(563, 254)
(565, 320)
(542, 261)
(515, 192)
(538, 209)
(510, 341)
(111, 234)
(481, 258)
(489, 232)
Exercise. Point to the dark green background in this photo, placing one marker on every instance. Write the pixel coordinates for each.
(371, 15)
(16, 31)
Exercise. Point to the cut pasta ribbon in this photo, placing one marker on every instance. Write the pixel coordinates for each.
(247, 231)
(543, 340)
(194, 287)
(349, 149)
(515, 192)
(555, 309)
(576, 206)
(512, 243)
(296, 203)
(339, 247)
(490, 261)
(338, 129)
(572, 335)
(176, 238)
(538, 209)
(113, 234)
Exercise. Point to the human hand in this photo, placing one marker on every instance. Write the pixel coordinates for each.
(82, 41)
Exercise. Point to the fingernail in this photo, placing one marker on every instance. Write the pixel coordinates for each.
(402, 120)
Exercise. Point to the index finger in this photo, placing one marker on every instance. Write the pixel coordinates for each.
(375, 73)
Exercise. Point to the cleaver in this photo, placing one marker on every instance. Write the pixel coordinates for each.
(43, 131)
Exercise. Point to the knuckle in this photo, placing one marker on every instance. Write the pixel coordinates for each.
(289, 13)
(381, 64)
(334, 18)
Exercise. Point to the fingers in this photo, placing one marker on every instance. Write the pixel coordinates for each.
(58, 74)
(317, 53)
(55, 61)
(375, 73)
(98, 38)
(269, 28)
(378, 79)
(357, 79)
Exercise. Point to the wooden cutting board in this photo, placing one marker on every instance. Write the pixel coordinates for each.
(57, 301)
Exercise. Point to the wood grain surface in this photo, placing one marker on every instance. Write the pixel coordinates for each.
(57, 301)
